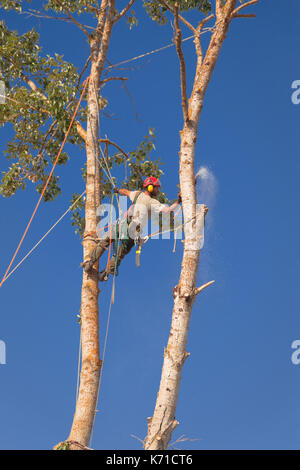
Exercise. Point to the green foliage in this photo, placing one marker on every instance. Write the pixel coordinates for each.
(80, 6)
(140, 164)
(158, 12)
(77, 219)
(42, 92)
(39, 118)
(11, 4)
(63, 446)
(60, 6)
(132, 19)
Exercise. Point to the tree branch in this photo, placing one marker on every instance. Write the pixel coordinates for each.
(91, 8)
(166, 5)
(109, 142)
(81, 131)
(204, 21)
(247, 4)
(26, 79)
(251, 15)
(197, 40)
(182, 65)
(219, 8)
(113, 78)
(197, 290)
(82, 72)
(124, 11)
(78, 24)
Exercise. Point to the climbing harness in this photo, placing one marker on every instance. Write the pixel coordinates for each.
(121, 239)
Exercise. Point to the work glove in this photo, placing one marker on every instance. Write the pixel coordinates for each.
(116, 190)
(179, 200)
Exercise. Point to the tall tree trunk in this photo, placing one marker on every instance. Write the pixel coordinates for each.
(91, 364)
(162, 423)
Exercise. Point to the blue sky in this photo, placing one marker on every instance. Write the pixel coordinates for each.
(239, 388)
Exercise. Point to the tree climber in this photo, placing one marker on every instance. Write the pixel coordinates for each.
(137, 218)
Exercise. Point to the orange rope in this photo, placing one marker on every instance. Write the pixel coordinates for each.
(108, 258)
(47, 182)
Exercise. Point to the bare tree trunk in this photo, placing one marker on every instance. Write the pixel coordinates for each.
(162, 423)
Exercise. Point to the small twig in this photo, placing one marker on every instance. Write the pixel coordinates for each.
(182, 65)
(184, 439)
(39, 14)
(124, 11)
(131, 99)
(197, 290)
(138, 438)
(247, 4)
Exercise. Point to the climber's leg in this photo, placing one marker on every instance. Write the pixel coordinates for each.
(95, 254)
(124, 248)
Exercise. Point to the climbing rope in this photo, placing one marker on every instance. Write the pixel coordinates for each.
(145, 54)
(79, 364)
(44, 236)
(107, 329)
(47, 182)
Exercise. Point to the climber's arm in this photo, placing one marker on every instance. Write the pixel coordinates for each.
(168, 209)
(123, 192)
(172, 207)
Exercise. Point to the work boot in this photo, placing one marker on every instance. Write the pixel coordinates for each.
(87, 266)
(103, 276)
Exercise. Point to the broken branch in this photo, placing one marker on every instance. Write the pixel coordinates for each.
(197, 290)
